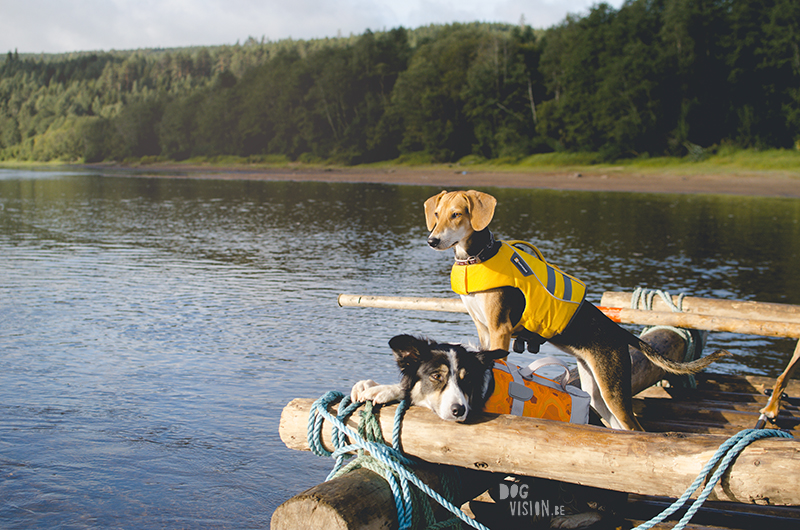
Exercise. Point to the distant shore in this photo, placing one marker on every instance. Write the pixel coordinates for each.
(750, 183)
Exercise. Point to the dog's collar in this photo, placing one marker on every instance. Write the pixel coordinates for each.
(479, 257)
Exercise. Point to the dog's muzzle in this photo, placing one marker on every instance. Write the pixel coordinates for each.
(434, 242)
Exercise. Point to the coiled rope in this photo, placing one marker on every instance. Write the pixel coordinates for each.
(642, 298)
(389, 462)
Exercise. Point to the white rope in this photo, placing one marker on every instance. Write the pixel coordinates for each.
(642, 298)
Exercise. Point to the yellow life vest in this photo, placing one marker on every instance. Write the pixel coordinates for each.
(521, 393)
(551, 296)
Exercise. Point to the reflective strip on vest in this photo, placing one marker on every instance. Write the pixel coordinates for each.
(551, 296)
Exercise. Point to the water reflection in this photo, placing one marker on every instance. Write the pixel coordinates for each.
(153, 329)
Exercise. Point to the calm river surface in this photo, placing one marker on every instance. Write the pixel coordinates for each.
(151, 330)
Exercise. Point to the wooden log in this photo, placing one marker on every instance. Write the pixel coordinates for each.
(768, 328)
(362, 500)
(766, 472)
(450, 305)
(710, 306)
(359, 500)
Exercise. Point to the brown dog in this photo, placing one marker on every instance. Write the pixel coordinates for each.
(459, 220)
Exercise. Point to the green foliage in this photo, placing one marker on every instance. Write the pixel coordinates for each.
(658, 76)
(652, 78)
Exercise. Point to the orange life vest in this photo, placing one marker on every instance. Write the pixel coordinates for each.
(521, 393)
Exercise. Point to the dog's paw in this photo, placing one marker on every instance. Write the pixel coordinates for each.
(356, 394)
(369, 390)
(578, 520)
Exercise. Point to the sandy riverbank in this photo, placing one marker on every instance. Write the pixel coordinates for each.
(767, 184)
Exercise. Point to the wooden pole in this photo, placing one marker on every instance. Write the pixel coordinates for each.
(768, 328)
(449, 305)
(662, 464)
(719, 308)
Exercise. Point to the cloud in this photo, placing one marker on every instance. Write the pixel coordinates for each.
(58, 26)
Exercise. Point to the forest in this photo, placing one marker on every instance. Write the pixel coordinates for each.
(652, 78)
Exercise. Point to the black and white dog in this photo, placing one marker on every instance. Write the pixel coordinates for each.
(453, 381)
(446, 378)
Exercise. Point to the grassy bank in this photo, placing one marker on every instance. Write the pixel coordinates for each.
(721, 161)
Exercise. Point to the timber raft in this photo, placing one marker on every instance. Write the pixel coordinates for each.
(684, 427)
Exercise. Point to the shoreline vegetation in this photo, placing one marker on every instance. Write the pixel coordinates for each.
(670, 88)
(770, 173)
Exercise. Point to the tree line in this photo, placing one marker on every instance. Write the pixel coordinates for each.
(654, 77)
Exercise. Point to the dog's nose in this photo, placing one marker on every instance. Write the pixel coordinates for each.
(434, 242)
(458, 410)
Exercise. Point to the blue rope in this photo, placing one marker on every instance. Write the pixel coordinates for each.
(391, 458)
(727, 452)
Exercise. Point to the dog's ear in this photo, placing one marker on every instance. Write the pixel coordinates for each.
(430, 209)
(488, 357)
(409, 352)
(481, 209)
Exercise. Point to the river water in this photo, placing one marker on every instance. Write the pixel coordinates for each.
(151, 330)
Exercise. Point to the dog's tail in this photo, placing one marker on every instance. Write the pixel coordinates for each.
(675, 367)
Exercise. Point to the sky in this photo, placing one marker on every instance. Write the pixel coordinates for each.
(56, 26)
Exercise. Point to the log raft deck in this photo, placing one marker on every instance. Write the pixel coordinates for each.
(684, 429)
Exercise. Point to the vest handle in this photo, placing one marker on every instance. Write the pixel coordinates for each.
(536, 251)
(547, 361)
